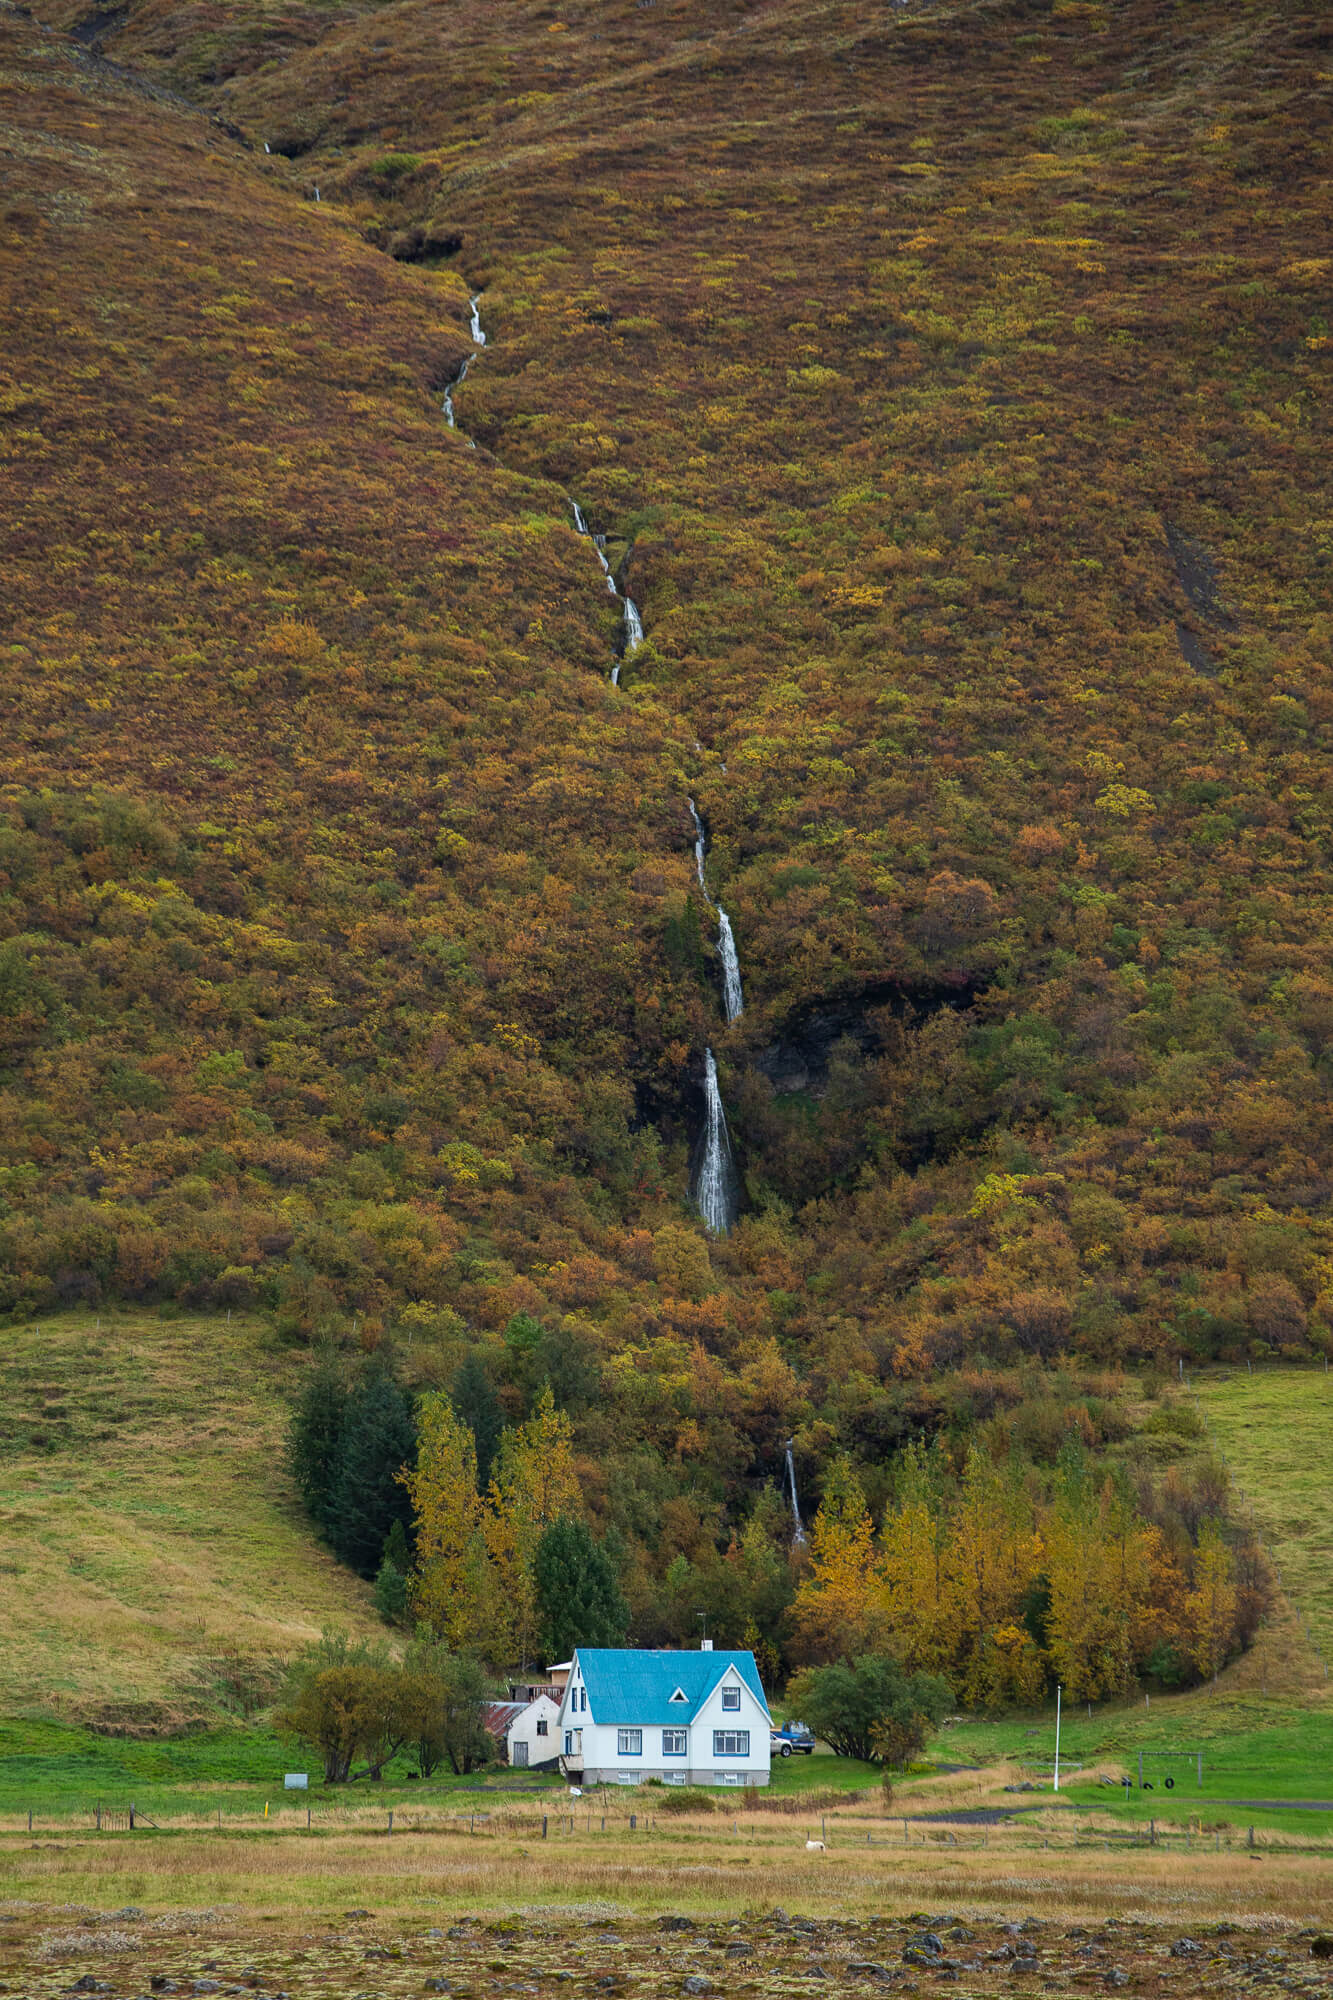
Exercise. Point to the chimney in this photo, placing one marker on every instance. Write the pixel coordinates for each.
(705, 1645)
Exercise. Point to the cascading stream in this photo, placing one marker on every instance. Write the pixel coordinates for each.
(733, 1000)
(715, 1190)
(798, 1532)
(631, 623)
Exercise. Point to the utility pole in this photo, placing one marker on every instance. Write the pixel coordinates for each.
(1059, 1690)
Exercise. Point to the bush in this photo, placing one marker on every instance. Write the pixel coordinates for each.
(685, 1799)
(872, 1709)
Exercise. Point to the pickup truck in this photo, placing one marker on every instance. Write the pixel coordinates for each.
(791, 1736)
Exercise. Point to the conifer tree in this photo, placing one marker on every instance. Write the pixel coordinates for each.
(477, 1405)
(379, 1439)
(578, 1600)
(315, 1441)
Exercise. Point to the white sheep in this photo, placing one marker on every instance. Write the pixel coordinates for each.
(815, 1847)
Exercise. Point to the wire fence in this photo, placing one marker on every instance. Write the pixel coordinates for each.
(1029, 1829)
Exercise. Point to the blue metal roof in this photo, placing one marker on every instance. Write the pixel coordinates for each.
(628, 1686)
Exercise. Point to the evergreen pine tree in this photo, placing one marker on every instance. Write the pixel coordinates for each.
(578, 1598)
(379, 1440)
(477, 1405)
(315, 1441)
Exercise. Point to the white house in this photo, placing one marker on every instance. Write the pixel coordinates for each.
(687, 1718)
(533, 1735)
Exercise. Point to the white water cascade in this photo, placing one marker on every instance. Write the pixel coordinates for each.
(629, 611)
(733, 1000)
(715, 1188)
(798, 1532)
(449, 388)
(457, 381)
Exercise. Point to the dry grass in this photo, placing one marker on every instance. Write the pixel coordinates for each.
(149, 1521)
(700, 1866)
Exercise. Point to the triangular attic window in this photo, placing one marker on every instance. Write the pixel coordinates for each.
(679, 1695)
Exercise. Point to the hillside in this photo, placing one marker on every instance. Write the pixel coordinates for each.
(1275, 1431)
(157, 1562)
(951, 389)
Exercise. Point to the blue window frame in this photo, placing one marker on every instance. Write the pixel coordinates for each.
(673, 1742)
(731, 1742)
(629, 1742)
(731, 1697)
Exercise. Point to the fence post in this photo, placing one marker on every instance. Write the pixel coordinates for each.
(905, 1833)
(391, 1822)
(823, 1830)
(543, 1826)
(307, 1819)
(633, 1821)
(1200, 1770)
(131, 1818)
(99, 1819)
(1251, 1840)
(1152, 1833)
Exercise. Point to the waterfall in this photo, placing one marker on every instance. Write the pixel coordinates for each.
(732, 999)
(798, 1536)
(478, 336)
(700, 849)
(631, 623)
(715, 1187)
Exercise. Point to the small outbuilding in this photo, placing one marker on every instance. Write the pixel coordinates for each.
(532, 1737)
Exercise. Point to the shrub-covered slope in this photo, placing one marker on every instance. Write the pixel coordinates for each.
(952, 390)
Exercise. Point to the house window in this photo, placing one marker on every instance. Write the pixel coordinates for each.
(542, 1729)
(569, 1743)
(520, 1755)
(680, 1695)
(583, 1698)
(673, 1742)
(731, 1742)
(731, 1697)
(629, 1742)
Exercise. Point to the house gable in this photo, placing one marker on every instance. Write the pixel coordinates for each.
(647, 1690)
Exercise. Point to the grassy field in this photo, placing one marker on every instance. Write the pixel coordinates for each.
(1275, 1430)
(1049, 1863)
(149, 1525)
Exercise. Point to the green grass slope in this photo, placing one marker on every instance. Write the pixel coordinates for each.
(1275, 1430)
(151, 1534)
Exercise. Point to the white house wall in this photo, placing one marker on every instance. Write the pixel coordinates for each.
(603, 1763)
(523, 1730)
